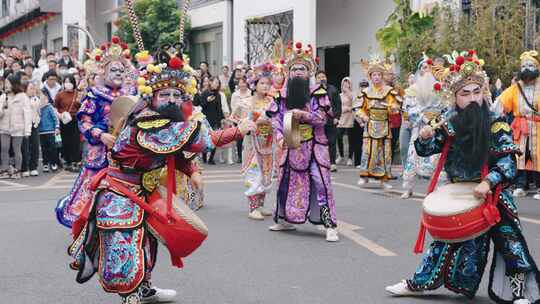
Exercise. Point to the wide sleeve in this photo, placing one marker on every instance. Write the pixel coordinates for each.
(502, 154)
(90, 122)
(508, 99)
(276, 115)
(321, 110)
(360, 108)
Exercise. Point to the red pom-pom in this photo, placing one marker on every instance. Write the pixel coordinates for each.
(282, 61)
(103, 47)
(437, 87)
(452, 68)
(115, 40)
(176, 63)
(472, 52)
(470, 59)
(477, 62)
(458, 68)
(429, 61)
(299, 45)
(127, 56)
(318, 60)
(460, 60)
(124, 46)
(98, 58)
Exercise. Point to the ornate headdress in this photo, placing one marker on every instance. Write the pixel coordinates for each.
(530, 55)
(465, 68)
(99, 58)
(301, 55)
(264, 70)
(374, 64)
(171, 69)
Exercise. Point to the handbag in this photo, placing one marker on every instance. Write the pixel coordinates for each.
(65, 117)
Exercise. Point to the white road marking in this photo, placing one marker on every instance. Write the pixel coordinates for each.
(348, 230)
(12, 184)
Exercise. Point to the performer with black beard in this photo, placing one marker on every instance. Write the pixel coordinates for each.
(475, 142)
(522, 99)
(304, 192)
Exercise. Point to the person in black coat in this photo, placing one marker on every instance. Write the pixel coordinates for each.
(210, 102)
(331, 125)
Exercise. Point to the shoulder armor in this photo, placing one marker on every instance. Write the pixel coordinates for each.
(153, 124)
(321, 91)
(90, 94)
(499, 126)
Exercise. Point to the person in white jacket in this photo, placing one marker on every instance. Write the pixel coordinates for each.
(15, 124)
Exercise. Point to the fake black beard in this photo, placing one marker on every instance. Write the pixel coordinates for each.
(528, 75)
(171, 111)
(297, 93)
(472, 126)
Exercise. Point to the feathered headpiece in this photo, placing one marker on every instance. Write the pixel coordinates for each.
(301, 55)
(530, 56)
(374, 64)
(465, 68)
(99, 58)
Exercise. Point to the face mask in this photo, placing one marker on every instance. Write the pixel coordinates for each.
(63, 72)
(68, 86)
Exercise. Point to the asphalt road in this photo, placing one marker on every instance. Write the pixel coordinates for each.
(241, 262)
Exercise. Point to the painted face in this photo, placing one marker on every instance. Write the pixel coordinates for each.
(469, 93)
(299, 70)
(528, 65)
(376, 78)
(115, 74)
(278, 79)
(263, 86)
(167, 96)
(424, 69)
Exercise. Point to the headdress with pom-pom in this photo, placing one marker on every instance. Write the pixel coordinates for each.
(99, 58)
(301, 55)
(465, 68)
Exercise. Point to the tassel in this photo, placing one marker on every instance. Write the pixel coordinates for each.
(419, 246)
(176, 260)
(171, 185)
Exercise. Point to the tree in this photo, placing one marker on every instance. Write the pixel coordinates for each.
(495, 29)
(159, 21)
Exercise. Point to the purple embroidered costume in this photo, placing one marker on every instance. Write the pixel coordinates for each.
(93, 120)
(304, 191)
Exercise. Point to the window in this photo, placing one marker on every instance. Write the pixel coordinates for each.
(5, 8)
(36, 49)
(57, 44)
(108, 25)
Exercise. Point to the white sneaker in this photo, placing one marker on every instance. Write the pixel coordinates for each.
(537, 196)
(339, 161)
(45, 168)
(332, 235)
(359, 167)
(26, 174)
(519, 192)
(349, 162)
(256, 215)
(159, 296)
(386, 186)
(282, 227)
(402, 290)
(522, 301)
(406, 194)
(54, 168)
(333, 168)
(34, 173)
(265, 212)
(362, 181)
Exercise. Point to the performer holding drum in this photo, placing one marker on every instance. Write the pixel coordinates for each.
(479, 158)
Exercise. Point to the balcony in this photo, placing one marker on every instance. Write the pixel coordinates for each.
(16, 10)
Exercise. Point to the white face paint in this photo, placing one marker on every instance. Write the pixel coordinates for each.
(529, 65)
(115, 74)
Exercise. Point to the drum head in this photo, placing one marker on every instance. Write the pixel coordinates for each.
(451, 199)
(120, 109)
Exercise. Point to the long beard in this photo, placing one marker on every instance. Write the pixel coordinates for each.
(528, 75)
(171, 111)
(472, 126)
(297, 93)
(425, 94)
